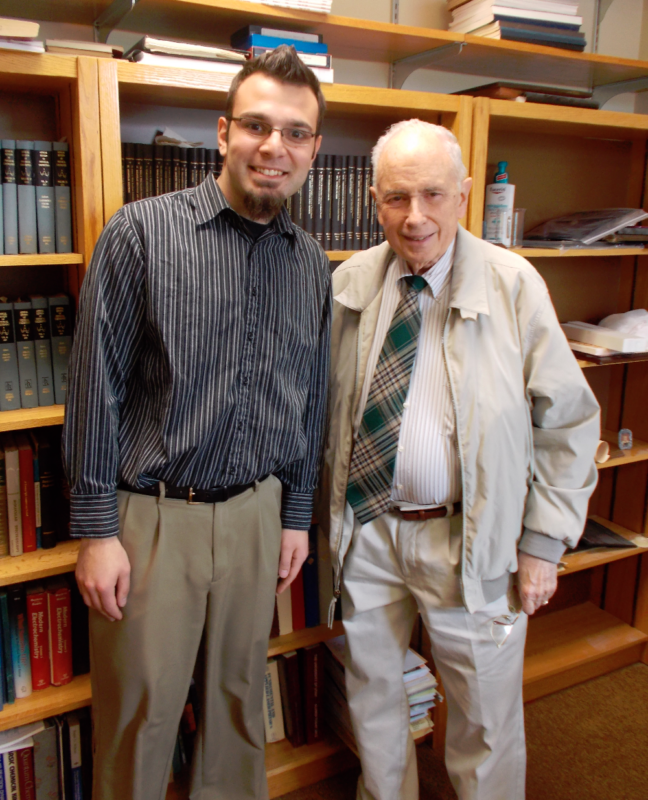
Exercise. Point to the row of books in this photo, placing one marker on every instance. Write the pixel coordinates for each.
(31, 496)
(334, 204)
(298, 607)
(35, 342)
(35, 204)
(43, 635)
(48, 760)
(293, 706)
(552, 23)
(419, 683)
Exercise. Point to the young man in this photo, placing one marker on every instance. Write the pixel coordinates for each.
(460, 451)
(192, 442)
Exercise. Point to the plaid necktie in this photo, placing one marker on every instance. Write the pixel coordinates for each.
(374, 453)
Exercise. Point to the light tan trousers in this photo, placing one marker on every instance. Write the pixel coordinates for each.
(392, 569)
(196, 569)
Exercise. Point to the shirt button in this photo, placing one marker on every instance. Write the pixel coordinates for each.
(253, 291)
(246, 380)
(400, 449)
(406, 404)
(250, 336)
(399, 486)
(239, 426)
(231, 470)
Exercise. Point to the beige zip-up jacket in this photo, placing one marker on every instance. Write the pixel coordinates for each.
(527, 422)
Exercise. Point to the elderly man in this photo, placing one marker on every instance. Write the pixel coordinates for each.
(460, 453)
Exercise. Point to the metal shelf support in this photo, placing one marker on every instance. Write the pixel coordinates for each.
(403, 68)
(111, 18)
(604, 93)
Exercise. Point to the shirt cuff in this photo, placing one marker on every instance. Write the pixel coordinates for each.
(541, 546)
(296, 510)
(93, 515)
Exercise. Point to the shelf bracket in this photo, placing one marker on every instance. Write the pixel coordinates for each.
(602, 94)
(403, 68)
(111, 18)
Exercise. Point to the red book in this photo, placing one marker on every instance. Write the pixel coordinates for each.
(25, 762)
(59, 612)
(312, 664)
(37, 623)
(27, 492)
(297, 602)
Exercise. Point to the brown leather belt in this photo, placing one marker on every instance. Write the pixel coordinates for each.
(421, 514)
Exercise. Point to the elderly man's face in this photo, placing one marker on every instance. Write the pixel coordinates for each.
(419, 199)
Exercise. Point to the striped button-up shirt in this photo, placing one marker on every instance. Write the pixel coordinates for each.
(427, 470)
(200, 359)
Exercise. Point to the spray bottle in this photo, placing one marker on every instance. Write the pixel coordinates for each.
(500, 199)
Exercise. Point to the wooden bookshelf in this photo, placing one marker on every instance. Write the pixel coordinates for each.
(47, 702)
(596, 557)
(531, 252)
(303, 638)
(42, 259)
(39, 564)
(574, 645)
(618, 458)
(31, 418)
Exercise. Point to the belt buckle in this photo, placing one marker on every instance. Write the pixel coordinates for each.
(190, 498)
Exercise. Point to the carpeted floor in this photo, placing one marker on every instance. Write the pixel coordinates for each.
(589, 742)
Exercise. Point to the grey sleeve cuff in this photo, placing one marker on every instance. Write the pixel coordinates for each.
(93, 516)
(541, 546)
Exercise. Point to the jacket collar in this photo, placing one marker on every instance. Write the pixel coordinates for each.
(358, 282)
(209, 202)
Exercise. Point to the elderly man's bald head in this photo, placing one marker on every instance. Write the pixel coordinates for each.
(421, 191)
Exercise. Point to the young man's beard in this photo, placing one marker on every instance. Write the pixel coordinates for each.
(265, 206)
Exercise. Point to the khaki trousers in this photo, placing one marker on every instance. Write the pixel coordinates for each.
(198, 571)
(392, 569)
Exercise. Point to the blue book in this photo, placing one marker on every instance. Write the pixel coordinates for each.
(44, 183)
(61, 333)
(3, 685)
(26, 352)
(19, 641)
(311, 581)
(43, 347)
(3, 790)
(63, 207)
(9, 197)
(256, 40)
(572, 26)
(9, 379)
(27, 235)
(8, 675)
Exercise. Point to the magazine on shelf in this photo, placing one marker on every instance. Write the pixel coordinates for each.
(582, 227)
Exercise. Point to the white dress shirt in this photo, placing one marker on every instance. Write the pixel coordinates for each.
(427, 471)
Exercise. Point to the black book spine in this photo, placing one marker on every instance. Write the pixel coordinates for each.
(201, 165)
(184, 165)
(320, 195)
(177, 170)
(350, 203)
(192, 169)
(167, 169)
(327, 209)
(309, 201)
(336, 217)
(129, 172)
(219, 163)
(138, 188)
(296, 211)
(148, 172)
(359, 195)
(158, 169)
(366, 203)
(211, 160)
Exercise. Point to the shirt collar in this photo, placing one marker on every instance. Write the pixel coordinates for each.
(437, 275)
(210, 201)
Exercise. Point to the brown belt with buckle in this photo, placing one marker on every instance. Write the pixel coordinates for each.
(421, 514)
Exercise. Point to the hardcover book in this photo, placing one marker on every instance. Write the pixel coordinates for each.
(27, 492)
(25, 759)
(46, 764)
(312, 672)
(4, 520)
(44, 183)
(10, 765)
(14, 513)
(63, 208)
(37, 619)
(26, 353)
(60, 632)
(61, 333)
(272, 713)
(43, 351)
(27, 235)
(9, 197)
(311, 581)
(47, 466)
(7, 675)
(19, 641)
(291, 698)
(9, 377)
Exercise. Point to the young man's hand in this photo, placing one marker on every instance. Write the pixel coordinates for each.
(294, 550)
(103, 575)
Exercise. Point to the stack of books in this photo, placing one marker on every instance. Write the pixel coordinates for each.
(49, 759)
(322, 6)
(258, 39)
(35, 205)
(75, 47)
(35, 342)
(298, 607)
(420, 686)
(553, 23)
(20, 34)
(220, 61)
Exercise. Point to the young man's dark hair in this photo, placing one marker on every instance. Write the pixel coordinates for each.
(284, 65)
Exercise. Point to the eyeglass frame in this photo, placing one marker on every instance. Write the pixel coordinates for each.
(309, 134)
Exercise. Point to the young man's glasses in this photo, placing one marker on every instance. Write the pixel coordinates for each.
(294, 137)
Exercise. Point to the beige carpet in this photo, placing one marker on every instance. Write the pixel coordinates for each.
(589, 742)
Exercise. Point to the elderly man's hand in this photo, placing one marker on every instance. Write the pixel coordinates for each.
(537, 581)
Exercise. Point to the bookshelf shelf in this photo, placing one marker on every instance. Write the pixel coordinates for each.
(41, 260)
(39, 564)
(39, 72)
(575, 562)
(47, 703)
(618, 458)
(544, 252)
(303, 638)
(31, 418)
(289, 767)
(574, 645)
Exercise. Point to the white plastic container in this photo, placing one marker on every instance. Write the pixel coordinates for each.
(500, 201)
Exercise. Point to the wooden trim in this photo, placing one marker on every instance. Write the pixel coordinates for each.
(46, 260)
(588, 559)
(641, 607)
(637, 173)
(31, 418)
(47, 703)
(478, 164)
(111, 159)
(297, 639)
(39, 564)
